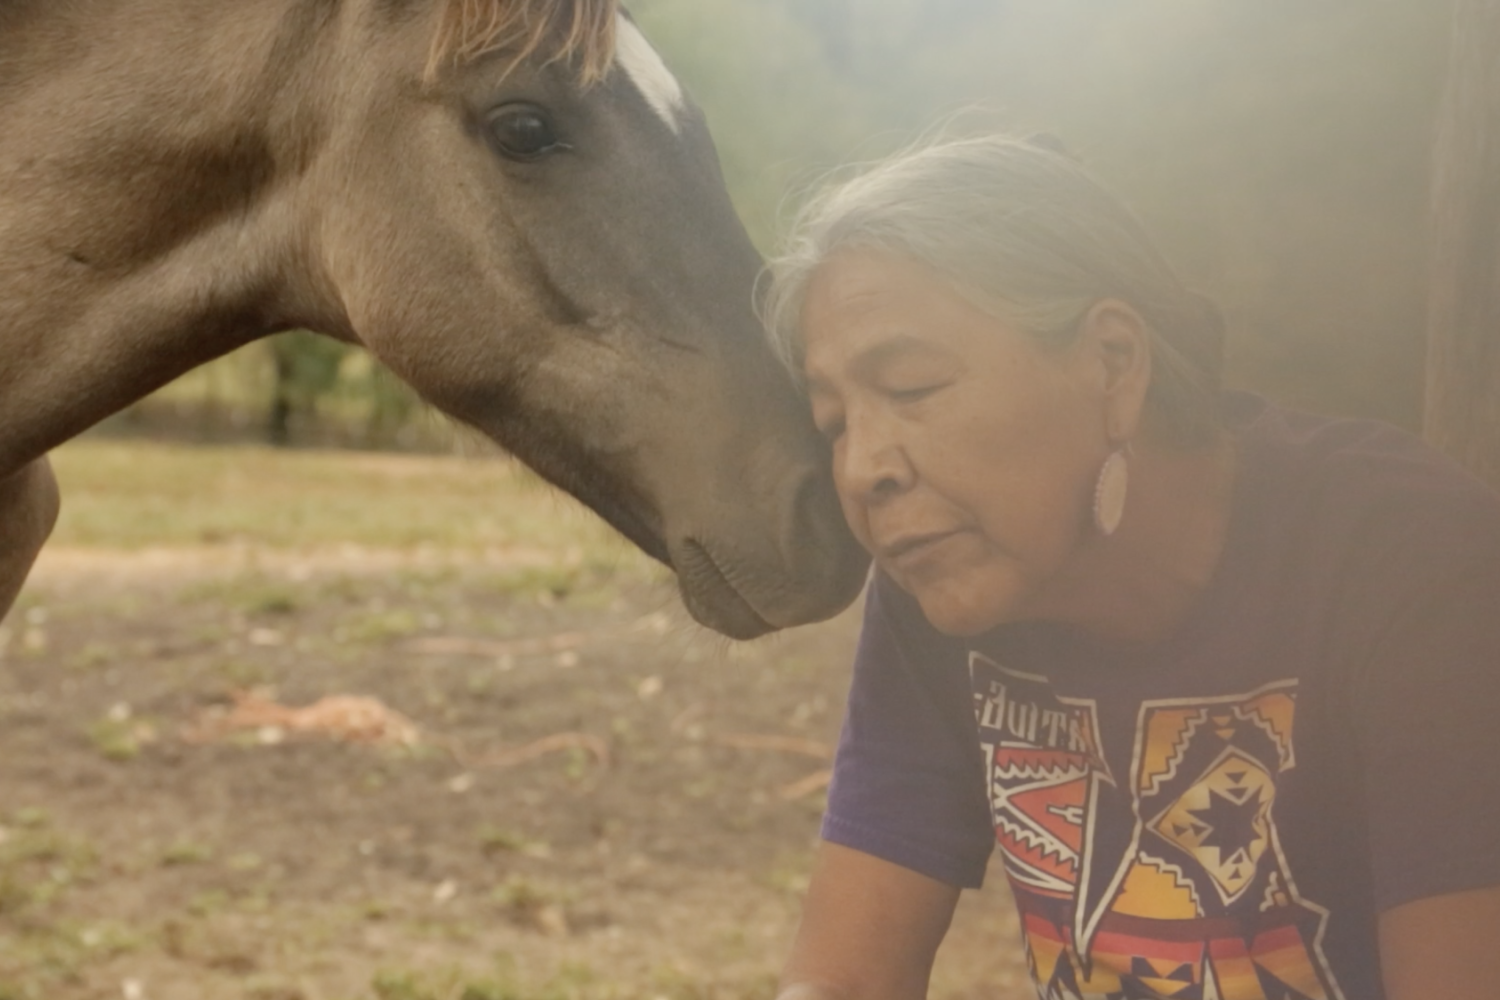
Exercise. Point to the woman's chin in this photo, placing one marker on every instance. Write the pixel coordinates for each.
(964, 610)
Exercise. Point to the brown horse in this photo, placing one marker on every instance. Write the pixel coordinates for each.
(511, 203)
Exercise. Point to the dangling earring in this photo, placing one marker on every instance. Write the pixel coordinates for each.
(1109, 493)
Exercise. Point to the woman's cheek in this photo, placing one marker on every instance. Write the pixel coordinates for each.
(860, 527)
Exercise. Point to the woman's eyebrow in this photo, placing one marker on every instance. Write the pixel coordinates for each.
(902, 345)
(868, 362)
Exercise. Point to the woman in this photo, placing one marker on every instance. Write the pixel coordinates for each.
(1221, 680)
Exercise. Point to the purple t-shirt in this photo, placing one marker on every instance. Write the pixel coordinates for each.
(1223, 814)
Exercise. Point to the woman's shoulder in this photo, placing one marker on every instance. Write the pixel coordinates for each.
(1347, 455)
(1362, 491)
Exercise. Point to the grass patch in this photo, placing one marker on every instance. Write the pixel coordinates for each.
(496, 840)
(119, 736)
(570, 981)
(186, 852)
(38, 864)
(382, 626)
(129, 495)
(46, 956)
(452, 984)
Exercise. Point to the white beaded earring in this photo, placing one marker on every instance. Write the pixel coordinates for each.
(1109, 493)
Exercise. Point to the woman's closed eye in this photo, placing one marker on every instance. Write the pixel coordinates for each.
(914, 393)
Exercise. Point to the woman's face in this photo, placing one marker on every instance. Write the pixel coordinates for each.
(964, 454)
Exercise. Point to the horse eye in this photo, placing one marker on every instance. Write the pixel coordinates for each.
(524, 133)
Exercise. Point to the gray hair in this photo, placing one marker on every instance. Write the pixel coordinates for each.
(1025, 233)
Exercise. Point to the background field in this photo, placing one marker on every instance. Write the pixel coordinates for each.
(492, 613)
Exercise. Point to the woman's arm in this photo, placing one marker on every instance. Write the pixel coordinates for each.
(870, 930)
(28, 510)
(1443, 946)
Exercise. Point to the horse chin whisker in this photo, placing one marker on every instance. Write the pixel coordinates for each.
(712, 596)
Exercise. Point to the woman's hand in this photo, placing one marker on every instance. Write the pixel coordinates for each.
(870, 930)
(28, 510)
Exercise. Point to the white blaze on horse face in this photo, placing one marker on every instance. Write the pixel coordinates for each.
(650, 75)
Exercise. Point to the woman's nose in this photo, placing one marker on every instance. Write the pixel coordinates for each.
(870, 465)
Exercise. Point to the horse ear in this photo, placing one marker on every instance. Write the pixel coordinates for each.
(580, 32)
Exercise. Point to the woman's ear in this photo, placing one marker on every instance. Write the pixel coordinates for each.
(1114, 335)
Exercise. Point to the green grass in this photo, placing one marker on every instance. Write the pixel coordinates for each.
(38, 863)
(131, 495)
(569, 981)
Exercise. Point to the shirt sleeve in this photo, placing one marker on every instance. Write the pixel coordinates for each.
(1429, 732)
(908, 781)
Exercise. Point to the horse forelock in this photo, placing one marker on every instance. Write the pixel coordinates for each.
(580, 33)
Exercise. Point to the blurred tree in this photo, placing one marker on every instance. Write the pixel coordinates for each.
(306, 368)
(1463, 332)
(391, 407)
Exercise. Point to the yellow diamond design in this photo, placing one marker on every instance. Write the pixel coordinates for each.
(1224, 821)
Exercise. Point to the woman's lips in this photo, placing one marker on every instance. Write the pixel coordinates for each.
(914, 547)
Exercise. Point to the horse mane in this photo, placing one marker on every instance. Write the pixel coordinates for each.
(580, 32)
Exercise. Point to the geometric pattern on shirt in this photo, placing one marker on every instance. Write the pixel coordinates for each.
(1204, 775)
(1272, 963)
(1038, 803)
(1043, 768)
(1223, 821)
(1190, 845)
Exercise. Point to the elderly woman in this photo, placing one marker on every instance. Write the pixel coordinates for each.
(1222, 680)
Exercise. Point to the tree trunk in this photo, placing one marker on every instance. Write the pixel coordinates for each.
(1462, 413)
(279, 420)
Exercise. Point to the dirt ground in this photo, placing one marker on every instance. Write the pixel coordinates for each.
(654, 844)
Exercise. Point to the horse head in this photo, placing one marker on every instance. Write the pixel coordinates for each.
(515, 206)
(510, 202)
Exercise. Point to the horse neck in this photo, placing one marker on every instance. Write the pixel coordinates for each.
(145, 221)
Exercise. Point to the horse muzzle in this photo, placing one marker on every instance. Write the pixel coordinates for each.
(746, 590)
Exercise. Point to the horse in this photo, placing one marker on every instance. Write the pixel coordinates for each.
(512, 204)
